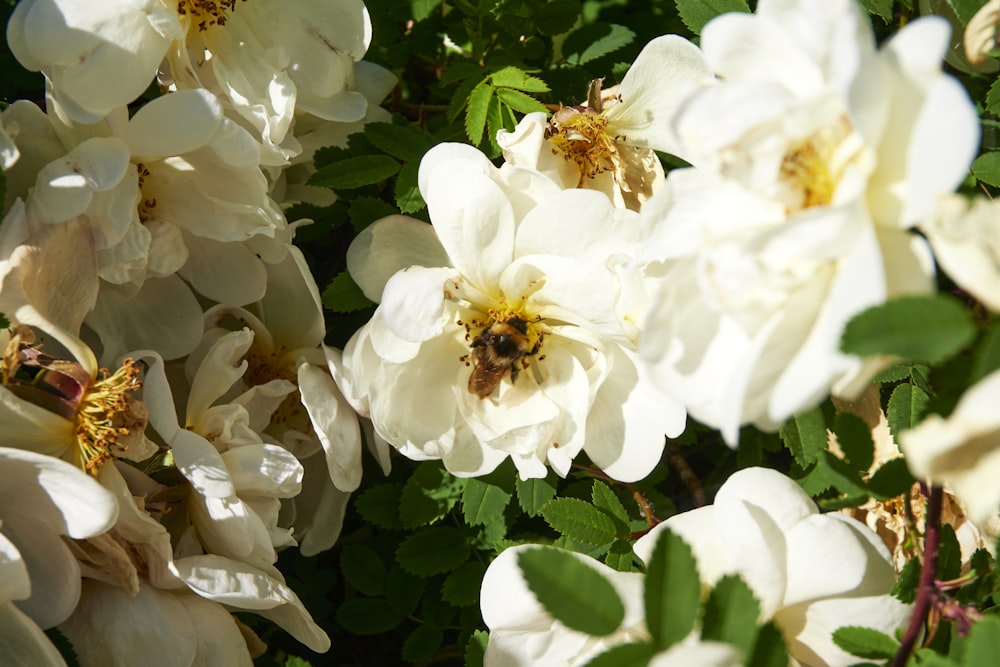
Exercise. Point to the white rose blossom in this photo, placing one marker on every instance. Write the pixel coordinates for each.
(499, 337)
(608, 144)
(42, 499)
(813, 155)
(173, 192)
(811, 572)
(265, 58)
(962, 451)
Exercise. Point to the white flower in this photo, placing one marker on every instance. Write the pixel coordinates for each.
(608, 144)
(176, 189)
(42, 499)
(811, 572)
(962, 451)
(502, 339)
(965, 236)
(814, 154)
(8, 150)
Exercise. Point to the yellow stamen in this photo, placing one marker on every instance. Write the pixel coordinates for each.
(206, 13)
(580, 134)
(100, 415)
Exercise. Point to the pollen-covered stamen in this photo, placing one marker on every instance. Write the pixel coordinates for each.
(206, 13)
(102, 416)
(812, 167)
(580, 134)
(146, 204)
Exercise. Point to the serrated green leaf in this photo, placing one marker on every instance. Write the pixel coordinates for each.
(966, 9)
(355, 172)
(993, 98)
(906, 408)
(428, 495)
(64, 646)
(532, 494)
(422, 9)
(673, 590)
(865, 642)
(422, 644)
(432, 551)
(329, 155)
(594, 40)
(986, 168)
(364, 211)
(879, 8)
(905, 589)
(461, 97)
(557, 16)
(769, 648)
(696, 13)
(843, 477)
(475, 648)
(983, 644)
(579, 520)
(805, 436)
(512, 77)
(403, 590)
(893, 373)
(855, 440)
(475, 114)
(919, 328)
(577, 595)
(494, 123)
(620, 556)
(949, 562)
(891, 479)
(605, 499)
(367, 616)
(731, 613)
(363, 569)
(482, 501)
(625, 655)
(461, 587)
(400, 141)
(379, 505)
(988, 354)
(406, 191)
(519, 101)
(343, 295)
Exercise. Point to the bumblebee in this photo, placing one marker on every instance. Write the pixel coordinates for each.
(499, 349)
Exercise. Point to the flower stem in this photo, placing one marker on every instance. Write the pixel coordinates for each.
(926, 590)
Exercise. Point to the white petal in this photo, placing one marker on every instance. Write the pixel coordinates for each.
(335, 424)
(201, 464)
(389, 245)
(173, 124)
(265, 470)
(229, 273)
(291, 306)
(413, 303)
(22, 642)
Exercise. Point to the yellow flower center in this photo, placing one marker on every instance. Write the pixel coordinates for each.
(101, 416)
(813, 166)
(503, 344)
(580, 134)
(262, 367)
(206, 13)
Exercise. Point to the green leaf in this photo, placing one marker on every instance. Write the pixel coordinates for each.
(343, 295)
(422, 9)
(379, 505)
(906, 408)
(355, 172)
(905, 589)
(805, 436)
(855, 440)
(461, 71)
(579, 520)
(483, 501)
(595, 40)
(461, 587)
(983, 644)
(625, 655)
(475, 649)
(606, 500)
(577, 595)
(428, 495)
(295, 661)
(519, 101)
(63, 645)
(769, 649)
(494, 123)
(988, 355)
(880, 8)
(865, 642)
(512, 77)
(920, 328)
(557, 16)
(366, 210)
(673, 590)
(731, 613)
(475, 115)
(461, 96)
(993, 98)
(532, 494)
(363, 569)
(400, 141)
(432, 551)
(367, 616)
(966, 9)
(891, 479)
(422, 643)
(403, 590)
(696, 13)
(407, 192)
(4, 322)
(620, 556)
(949, 562)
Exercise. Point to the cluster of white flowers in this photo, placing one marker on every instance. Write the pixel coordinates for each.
(155, 244)
(167, 402)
